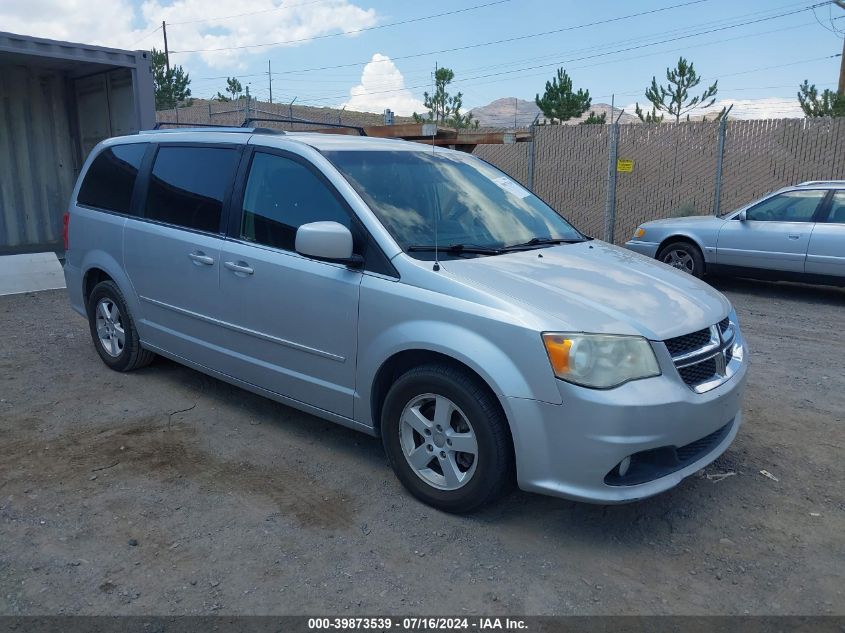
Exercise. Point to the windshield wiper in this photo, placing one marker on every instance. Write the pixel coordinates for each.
(454, 249)
(541, 241)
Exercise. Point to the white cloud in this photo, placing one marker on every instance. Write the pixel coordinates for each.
(383, 86)
(119, 24)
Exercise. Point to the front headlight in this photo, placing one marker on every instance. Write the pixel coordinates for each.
(640, 232)
(600, 361)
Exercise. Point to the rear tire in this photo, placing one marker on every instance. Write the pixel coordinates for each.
(431, 413)
(113, 329)
(683, 256)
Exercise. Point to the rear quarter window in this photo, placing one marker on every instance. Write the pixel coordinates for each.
(110, 179)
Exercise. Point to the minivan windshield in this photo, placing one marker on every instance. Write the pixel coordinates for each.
(476, 209)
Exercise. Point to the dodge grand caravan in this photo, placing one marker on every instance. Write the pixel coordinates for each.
(411, 293)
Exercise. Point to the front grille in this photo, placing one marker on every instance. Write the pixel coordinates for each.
(688, 342)
(702, 356)
(658, 462)
(700, 447)
(698, 373)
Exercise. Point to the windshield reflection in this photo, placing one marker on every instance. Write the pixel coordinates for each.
(466, 200)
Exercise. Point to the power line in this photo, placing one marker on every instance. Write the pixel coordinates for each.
(501, 41)
(146, 36)
(241, 15)
(606, 53)
(352, 32)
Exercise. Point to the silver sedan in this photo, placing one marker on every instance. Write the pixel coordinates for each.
(794, 234)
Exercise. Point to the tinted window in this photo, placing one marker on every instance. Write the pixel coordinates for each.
(837, 211)
(281, 195)
(793, 206)
(111, 178)
(188, 184)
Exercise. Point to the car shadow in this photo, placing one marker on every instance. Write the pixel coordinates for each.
(534, 515)
(827, 295)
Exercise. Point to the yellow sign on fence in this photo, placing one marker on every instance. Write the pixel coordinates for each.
(625, 165)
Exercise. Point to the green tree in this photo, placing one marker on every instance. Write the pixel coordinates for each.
(233, 87)
(171, 87)
(443, 108)
(674, 98)
(559, 102)
(828, 103)
(595, 119)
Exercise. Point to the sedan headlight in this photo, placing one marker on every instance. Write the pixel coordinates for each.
(640, 232)
(600, 361)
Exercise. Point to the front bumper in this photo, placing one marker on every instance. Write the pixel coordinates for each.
(568, 450)
(649, 249)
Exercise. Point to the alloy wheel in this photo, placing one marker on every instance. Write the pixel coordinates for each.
(438, 441)
(110, 329)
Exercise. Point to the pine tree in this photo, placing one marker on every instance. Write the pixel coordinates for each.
(829, 103)
(559, 103)
(171, 87)
(595, 119)
(443, 108)
(674, 98)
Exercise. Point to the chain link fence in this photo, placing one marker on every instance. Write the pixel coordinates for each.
(695, 168)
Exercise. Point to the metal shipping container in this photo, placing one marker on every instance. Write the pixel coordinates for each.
(57, 101)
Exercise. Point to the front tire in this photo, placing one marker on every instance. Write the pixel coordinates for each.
(113, 329)
(683, 256)
(446, 438)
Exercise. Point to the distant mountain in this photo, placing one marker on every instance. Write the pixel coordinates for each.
(502, 112)
(509, 110)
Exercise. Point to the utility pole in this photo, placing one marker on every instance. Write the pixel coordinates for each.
(166, 52)
(270, 77)
(841, 90)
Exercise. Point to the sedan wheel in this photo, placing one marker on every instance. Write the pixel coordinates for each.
(684, 256)
(680, 260)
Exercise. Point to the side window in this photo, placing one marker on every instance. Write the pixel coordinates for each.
(792, 206)
(281, 195)
(111, 178)
(837, 211)
(188, 184)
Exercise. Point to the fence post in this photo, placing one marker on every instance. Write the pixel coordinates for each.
(531, 152)
(717, 198)
(610, 207)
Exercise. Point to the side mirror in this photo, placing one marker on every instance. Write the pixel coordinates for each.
(743, 216)
(327, 241)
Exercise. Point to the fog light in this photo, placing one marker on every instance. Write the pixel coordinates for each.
(624, 465)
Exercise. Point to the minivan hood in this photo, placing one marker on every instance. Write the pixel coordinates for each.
(596, 287)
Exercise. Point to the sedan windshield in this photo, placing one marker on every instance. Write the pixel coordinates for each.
(464, 205)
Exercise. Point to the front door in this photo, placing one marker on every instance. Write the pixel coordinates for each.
(826, 253)
(774, 235)
(294, 320)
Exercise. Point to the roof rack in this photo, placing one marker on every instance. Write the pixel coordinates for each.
(199, 127)
(357, 128)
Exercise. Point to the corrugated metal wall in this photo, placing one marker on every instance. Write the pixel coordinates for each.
(38, 162)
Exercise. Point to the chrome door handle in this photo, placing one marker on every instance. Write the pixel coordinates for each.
(793, 236)
(201, 258)
(239, 267)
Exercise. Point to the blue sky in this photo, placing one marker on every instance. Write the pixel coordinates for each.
(759, 63)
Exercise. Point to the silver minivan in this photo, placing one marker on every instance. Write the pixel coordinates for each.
(411, 293)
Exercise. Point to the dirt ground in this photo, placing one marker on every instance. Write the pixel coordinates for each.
(167, 492)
